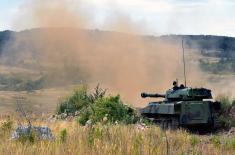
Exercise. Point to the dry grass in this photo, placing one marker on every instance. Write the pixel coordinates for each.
(118, 139)
(40, 101)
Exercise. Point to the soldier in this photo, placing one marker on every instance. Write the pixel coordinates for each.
(175, 85)
(182, 86)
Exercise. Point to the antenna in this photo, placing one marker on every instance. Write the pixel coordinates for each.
(184, 64)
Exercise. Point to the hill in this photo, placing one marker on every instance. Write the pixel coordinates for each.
(25, 52)
(45, 59)
(220, 46)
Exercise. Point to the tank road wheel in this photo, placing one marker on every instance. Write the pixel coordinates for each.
(216, 123)
(161, 123)
(170, 124)
(175, 123)
(165, 124)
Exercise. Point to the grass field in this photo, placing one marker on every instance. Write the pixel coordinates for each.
(70, 138)
(40, 101)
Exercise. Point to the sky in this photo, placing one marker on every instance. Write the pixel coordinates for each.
(154, 17)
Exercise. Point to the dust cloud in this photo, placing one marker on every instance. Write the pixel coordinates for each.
(124, 63)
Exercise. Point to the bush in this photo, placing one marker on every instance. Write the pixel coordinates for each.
(75, 102)
(80, 100)
(109, 110)
(84, 115)
(227, 121)
(96, 107)
(225, 103)
(226, 118)
(112, 109)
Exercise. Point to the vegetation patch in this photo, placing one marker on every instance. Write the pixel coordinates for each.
(109, 110)
(20, 83)
(6, 128)
(96, 107)
(220, 67)
(80, 100)
(71, 138)
(227, 116)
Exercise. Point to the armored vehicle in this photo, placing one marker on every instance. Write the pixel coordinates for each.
(183, 107)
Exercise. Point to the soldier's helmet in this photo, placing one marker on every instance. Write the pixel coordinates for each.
(175, 83)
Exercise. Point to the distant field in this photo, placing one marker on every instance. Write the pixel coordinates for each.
(38, 102)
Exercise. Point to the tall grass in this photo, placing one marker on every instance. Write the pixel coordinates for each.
(71, 138)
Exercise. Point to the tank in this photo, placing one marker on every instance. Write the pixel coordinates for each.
(183, 107)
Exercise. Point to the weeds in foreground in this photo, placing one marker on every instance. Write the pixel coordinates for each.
(71, 138)
(63, 135)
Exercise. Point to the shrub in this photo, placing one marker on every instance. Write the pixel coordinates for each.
(80, 100)
(84, 115)
(96, 107)
(227, 121)
(225, 103)
(75, 102)
(109, 109)
(97, 94)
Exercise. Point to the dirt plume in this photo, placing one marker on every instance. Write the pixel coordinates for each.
(122, 62)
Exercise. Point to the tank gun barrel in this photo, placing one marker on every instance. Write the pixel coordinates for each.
(144, 95)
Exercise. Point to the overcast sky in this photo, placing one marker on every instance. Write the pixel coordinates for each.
(215, 17)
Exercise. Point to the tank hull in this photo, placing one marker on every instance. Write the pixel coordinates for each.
(182, 114)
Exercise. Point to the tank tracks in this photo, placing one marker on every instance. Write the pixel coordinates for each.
(167, 123)
(216, 123)
(173, 123)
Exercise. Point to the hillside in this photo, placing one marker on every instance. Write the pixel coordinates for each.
(220, 46)
(218, 51)
(42, 61)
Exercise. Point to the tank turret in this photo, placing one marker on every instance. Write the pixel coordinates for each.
(188, 94)
(182, 94)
